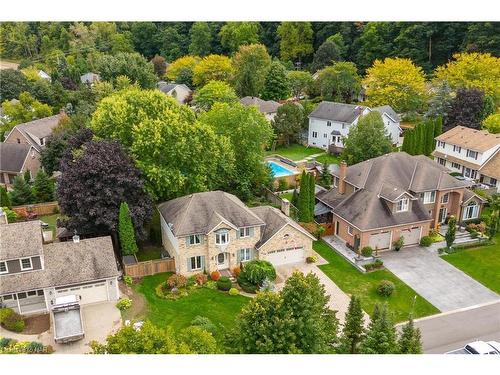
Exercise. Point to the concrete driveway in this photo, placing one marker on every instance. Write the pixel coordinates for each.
(443, 285)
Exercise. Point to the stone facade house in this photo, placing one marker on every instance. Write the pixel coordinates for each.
(15, 160)
(375, 202)
(216, 231)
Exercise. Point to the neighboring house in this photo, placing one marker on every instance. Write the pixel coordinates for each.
(216, 231)
(90, 78)
(16, 159)
(331, 122)
(34, 133)
(180, 92)
(472, 153)
(34, 273)
(268, 108)
(375, 202)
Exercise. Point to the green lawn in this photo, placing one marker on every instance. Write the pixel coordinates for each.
(295, 152)
(51, 220)
(328, 159)
(481, 263)
(149, 253)
(287, 196)
(364, 285)
(219, 307)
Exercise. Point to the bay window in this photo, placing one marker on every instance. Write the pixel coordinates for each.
(222, 237)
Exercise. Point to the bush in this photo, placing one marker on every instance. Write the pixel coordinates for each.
(474, 234)
(4, 341)
(224, 283)
(4, 313)
(210, 284)
(123, 304)
(201, 278)
(246, 285)
(177, 281)
(128, 280)
(256, 271)
(385, 288)
(215, 275)
(236, 271)
(367, 251)
(374, 265)
(311, 259)
(282, 184)
(399, 243)
(13, 322)
(234, 292)
(204, 323)
(433, 233)
(426, 241)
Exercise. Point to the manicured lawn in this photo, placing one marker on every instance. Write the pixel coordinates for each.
(219, 307)
(287, 196)
(481, 263)
(328, 159)
(51, 220)
(295, 152)
(364, 285)
(148, 253)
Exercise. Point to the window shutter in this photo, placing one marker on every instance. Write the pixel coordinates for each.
(237, 233)
(238, 256)
(252, 251)
(251, 232)
(189, 264)
(187, 241)
(203, 262)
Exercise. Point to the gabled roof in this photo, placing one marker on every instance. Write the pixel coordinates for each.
(89, 77)
(275, 220)
(492, 167)
(387, 109)
(13, 156)
(473, 139)
(264, 106)
(199, 213)
(168, 87)
(40, 128)
(19, 240)
(392, 193)
(339, 112)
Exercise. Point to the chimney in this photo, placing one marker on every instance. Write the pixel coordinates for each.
(76, 237)
(342, 174)
(285, 206)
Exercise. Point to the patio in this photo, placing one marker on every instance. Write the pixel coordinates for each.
(340, 247)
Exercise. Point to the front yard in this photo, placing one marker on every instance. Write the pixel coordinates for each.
(364, 285)
(219, 307)
(481, 263)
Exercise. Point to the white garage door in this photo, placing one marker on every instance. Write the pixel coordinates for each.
(412, 237)
(285, 256)
(89, 293)
(380, 240)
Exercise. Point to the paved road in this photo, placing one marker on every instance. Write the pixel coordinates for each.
(440, 283)
(452, 330)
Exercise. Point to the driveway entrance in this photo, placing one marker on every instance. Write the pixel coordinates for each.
(443, 285)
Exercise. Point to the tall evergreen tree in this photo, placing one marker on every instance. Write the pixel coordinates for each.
(381, 334)
(326, 177)
(21, 193)
(450, 232)
(126, 231)
(303, 201)
(429, 135)
(43, 188)
(410, 340)
(438, 127)
(312, 196)
(276, 86)
(353, 331)
(295, 198)
(4, 198)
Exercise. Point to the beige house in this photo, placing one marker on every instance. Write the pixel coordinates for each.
(268, 108)
(216, 231)
(34, 133)
(15, 160)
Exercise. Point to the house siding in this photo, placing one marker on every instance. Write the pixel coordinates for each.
(14, 265)
(295, 238)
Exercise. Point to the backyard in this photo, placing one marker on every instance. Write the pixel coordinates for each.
(364, 285)
(51, 220)
(295, 152)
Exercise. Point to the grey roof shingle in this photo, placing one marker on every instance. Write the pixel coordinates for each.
(264, 106)
(12, 156)
(339, 112)
(388, 109)
(167, 87)
(199, 213)
(18, 240)
(40, 128)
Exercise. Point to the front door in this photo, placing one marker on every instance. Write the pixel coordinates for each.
(222, 261)
(337, 228)
(442, 215)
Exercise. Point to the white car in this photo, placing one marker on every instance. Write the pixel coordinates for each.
(479, 347)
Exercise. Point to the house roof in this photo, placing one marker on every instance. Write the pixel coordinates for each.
(389, 111)
(340, 112)
(19, 240)
(168, 87)
(391, 193)
(264, 106)
(473, 139)
(67, 263)
(89, 77)
(199, 213)
(492, 167)
(40, 128)
(275, 220)
(12, 156)
(330, 197)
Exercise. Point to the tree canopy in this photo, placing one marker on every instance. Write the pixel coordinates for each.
(276, 85)
(132, 65)
(251, 65)
(212, 68)
(339, 82)
(214, 92)
(201, 39)
(182, 69)
(288, 122)
(235, 34)
(295, 40)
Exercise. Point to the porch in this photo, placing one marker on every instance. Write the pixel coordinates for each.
(25, 303)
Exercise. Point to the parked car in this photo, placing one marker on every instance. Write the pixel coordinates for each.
(479, 347)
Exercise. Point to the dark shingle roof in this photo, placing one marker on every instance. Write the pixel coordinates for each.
(388, 109)
(340, 112)
(40, 128)
(12, 156)
(264, 106)
(18, 240)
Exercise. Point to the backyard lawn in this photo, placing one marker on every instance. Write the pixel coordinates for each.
(295, 152)
(288, 196)
(149, 253)
(481, 263)
(364, 285)
(219, 307)
(328, 159)
(51, 220)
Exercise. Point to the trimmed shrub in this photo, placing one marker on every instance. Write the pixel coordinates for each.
(246, 285)
(201, 278)
(367, 251)
(4, 341)
(256, 271)
(210, 284)
(374, 265)
(311, 259)
(204, 323)
(474, 234)
(123, 304)
(177, 281)
(215, 275)
(398, 245)
(4, 313)
(128, 280)
(236, 271)
(426, 241)
(385, 288)
(14, 322)
(234, 292)
(224, 283)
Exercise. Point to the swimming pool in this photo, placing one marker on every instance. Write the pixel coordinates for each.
(278, 170)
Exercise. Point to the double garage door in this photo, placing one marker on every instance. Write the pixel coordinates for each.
(383, 240)
(89, 293)
(285, 256)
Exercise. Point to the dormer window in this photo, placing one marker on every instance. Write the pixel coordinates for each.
(26, 264)
(222, 237)
(403, 205)
(3, 267)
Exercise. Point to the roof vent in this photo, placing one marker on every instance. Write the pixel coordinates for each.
(76, 238)
(170, 226)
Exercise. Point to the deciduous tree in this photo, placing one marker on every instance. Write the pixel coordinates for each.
(24, 110)
(13, 83)
(299, 82)
(339, 82)
(466, 109)
(132, 65)
(276, 86)
(159, 66)
(295, 40)
(288, 121)
(328, 53)
(181, 70)
(251, 64)
(212, 68)
(214, 92)
(492, 123)
(201, 39)
(235, 34)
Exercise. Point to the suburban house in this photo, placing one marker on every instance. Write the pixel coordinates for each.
(180, 92)
(330, 122)
(16, 159)
(34, 133)
(475, 154)
(90, 78)
(33, 272)
(268, 108)
(216, 231)
(375, 202)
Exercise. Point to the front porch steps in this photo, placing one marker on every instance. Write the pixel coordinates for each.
(228, 275)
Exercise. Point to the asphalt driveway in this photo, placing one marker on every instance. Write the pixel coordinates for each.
(443, 285)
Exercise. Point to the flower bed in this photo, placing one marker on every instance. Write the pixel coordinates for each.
(11, 346)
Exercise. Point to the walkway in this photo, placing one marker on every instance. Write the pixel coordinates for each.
(443, 285)
(340, 247)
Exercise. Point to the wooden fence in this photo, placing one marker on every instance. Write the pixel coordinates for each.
(40, 209)
(150, 267)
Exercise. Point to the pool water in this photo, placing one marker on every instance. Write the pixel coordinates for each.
(278, 170)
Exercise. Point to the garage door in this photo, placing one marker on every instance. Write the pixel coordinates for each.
(285, 256)
(89, 293)
(412, 236)
(380, 240)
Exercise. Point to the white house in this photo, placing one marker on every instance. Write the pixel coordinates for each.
(475, 154)
(331, 122)
(180, 92)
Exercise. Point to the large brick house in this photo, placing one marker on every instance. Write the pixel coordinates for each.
(216, 231)
(375, 202)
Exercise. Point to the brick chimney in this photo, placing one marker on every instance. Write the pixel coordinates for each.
(342, 174)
